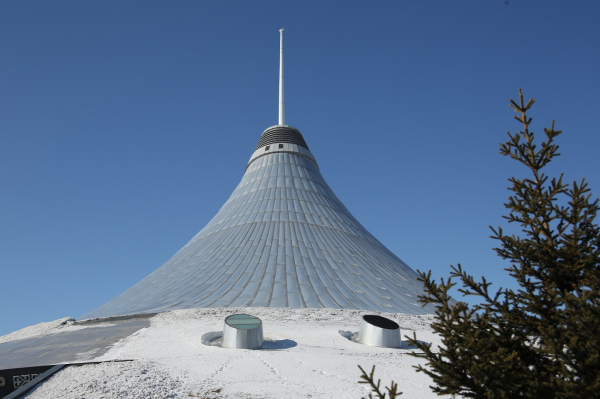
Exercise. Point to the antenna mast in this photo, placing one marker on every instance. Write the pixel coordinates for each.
(281, 110)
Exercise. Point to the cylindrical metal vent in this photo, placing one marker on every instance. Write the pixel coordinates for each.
(242, 331)
(379, 331)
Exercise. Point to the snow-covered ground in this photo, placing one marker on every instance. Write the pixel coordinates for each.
(304, 357)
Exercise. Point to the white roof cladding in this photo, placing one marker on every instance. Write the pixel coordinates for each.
(283, 239)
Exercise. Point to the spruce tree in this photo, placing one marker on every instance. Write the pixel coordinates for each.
(541, 340)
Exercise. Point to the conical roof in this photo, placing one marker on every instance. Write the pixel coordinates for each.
(283, 239)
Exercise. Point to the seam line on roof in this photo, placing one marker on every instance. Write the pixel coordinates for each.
(286, 152)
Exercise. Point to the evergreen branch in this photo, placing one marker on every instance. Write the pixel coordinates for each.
(392, 390)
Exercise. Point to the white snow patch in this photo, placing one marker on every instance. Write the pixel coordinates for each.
(140, 379)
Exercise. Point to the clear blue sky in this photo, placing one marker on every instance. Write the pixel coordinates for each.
(124, 126)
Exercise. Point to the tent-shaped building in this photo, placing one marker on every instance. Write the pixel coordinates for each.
(283, 239)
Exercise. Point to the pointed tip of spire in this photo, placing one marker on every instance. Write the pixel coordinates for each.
(281, 104)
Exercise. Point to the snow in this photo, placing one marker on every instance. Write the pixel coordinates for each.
(304, 356)
(37, 330)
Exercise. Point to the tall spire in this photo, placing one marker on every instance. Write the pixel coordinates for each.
(281, 110)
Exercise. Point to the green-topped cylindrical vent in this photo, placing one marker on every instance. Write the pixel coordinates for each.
(242, 331)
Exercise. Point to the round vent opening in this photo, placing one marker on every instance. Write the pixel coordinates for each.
(381, 322)
(242, 331)
(379, 331)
